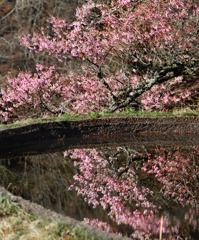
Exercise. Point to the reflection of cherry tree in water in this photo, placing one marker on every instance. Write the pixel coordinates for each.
(135, 188)
(178, 174)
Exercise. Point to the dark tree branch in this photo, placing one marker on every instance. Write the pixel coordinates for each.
(160, 76)
(44, 104)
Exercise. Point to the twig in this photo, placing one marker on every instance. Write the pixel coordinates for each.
(8, 14)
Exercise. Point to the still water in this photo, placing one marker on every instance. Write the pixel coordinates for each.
(143, 192)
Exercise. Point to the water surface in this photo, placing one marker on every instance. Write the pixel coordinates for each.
(141, 191)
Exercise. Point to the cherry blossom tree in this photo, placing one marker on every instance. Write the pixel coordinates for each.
(131, 53)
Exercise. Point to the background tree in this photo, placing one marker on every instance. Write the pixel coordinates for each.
(130, 53)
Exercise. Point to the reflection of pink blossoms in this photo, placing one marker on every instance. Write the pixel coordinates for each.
(99, 184)
(127, 202)
(99, 224)
(178, 174)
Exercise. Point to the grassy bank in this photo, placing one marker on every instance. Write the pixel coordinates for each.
(16, 223)
(126, 113)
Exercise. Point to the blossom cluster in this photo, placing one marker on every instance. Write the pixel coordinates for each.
(31, 94)
(164, 97)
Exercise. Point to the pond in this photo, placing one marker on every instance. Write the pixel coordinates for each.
(134, 189)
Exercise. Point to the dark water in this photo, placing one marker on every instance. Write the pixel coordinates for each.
(142, 192)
